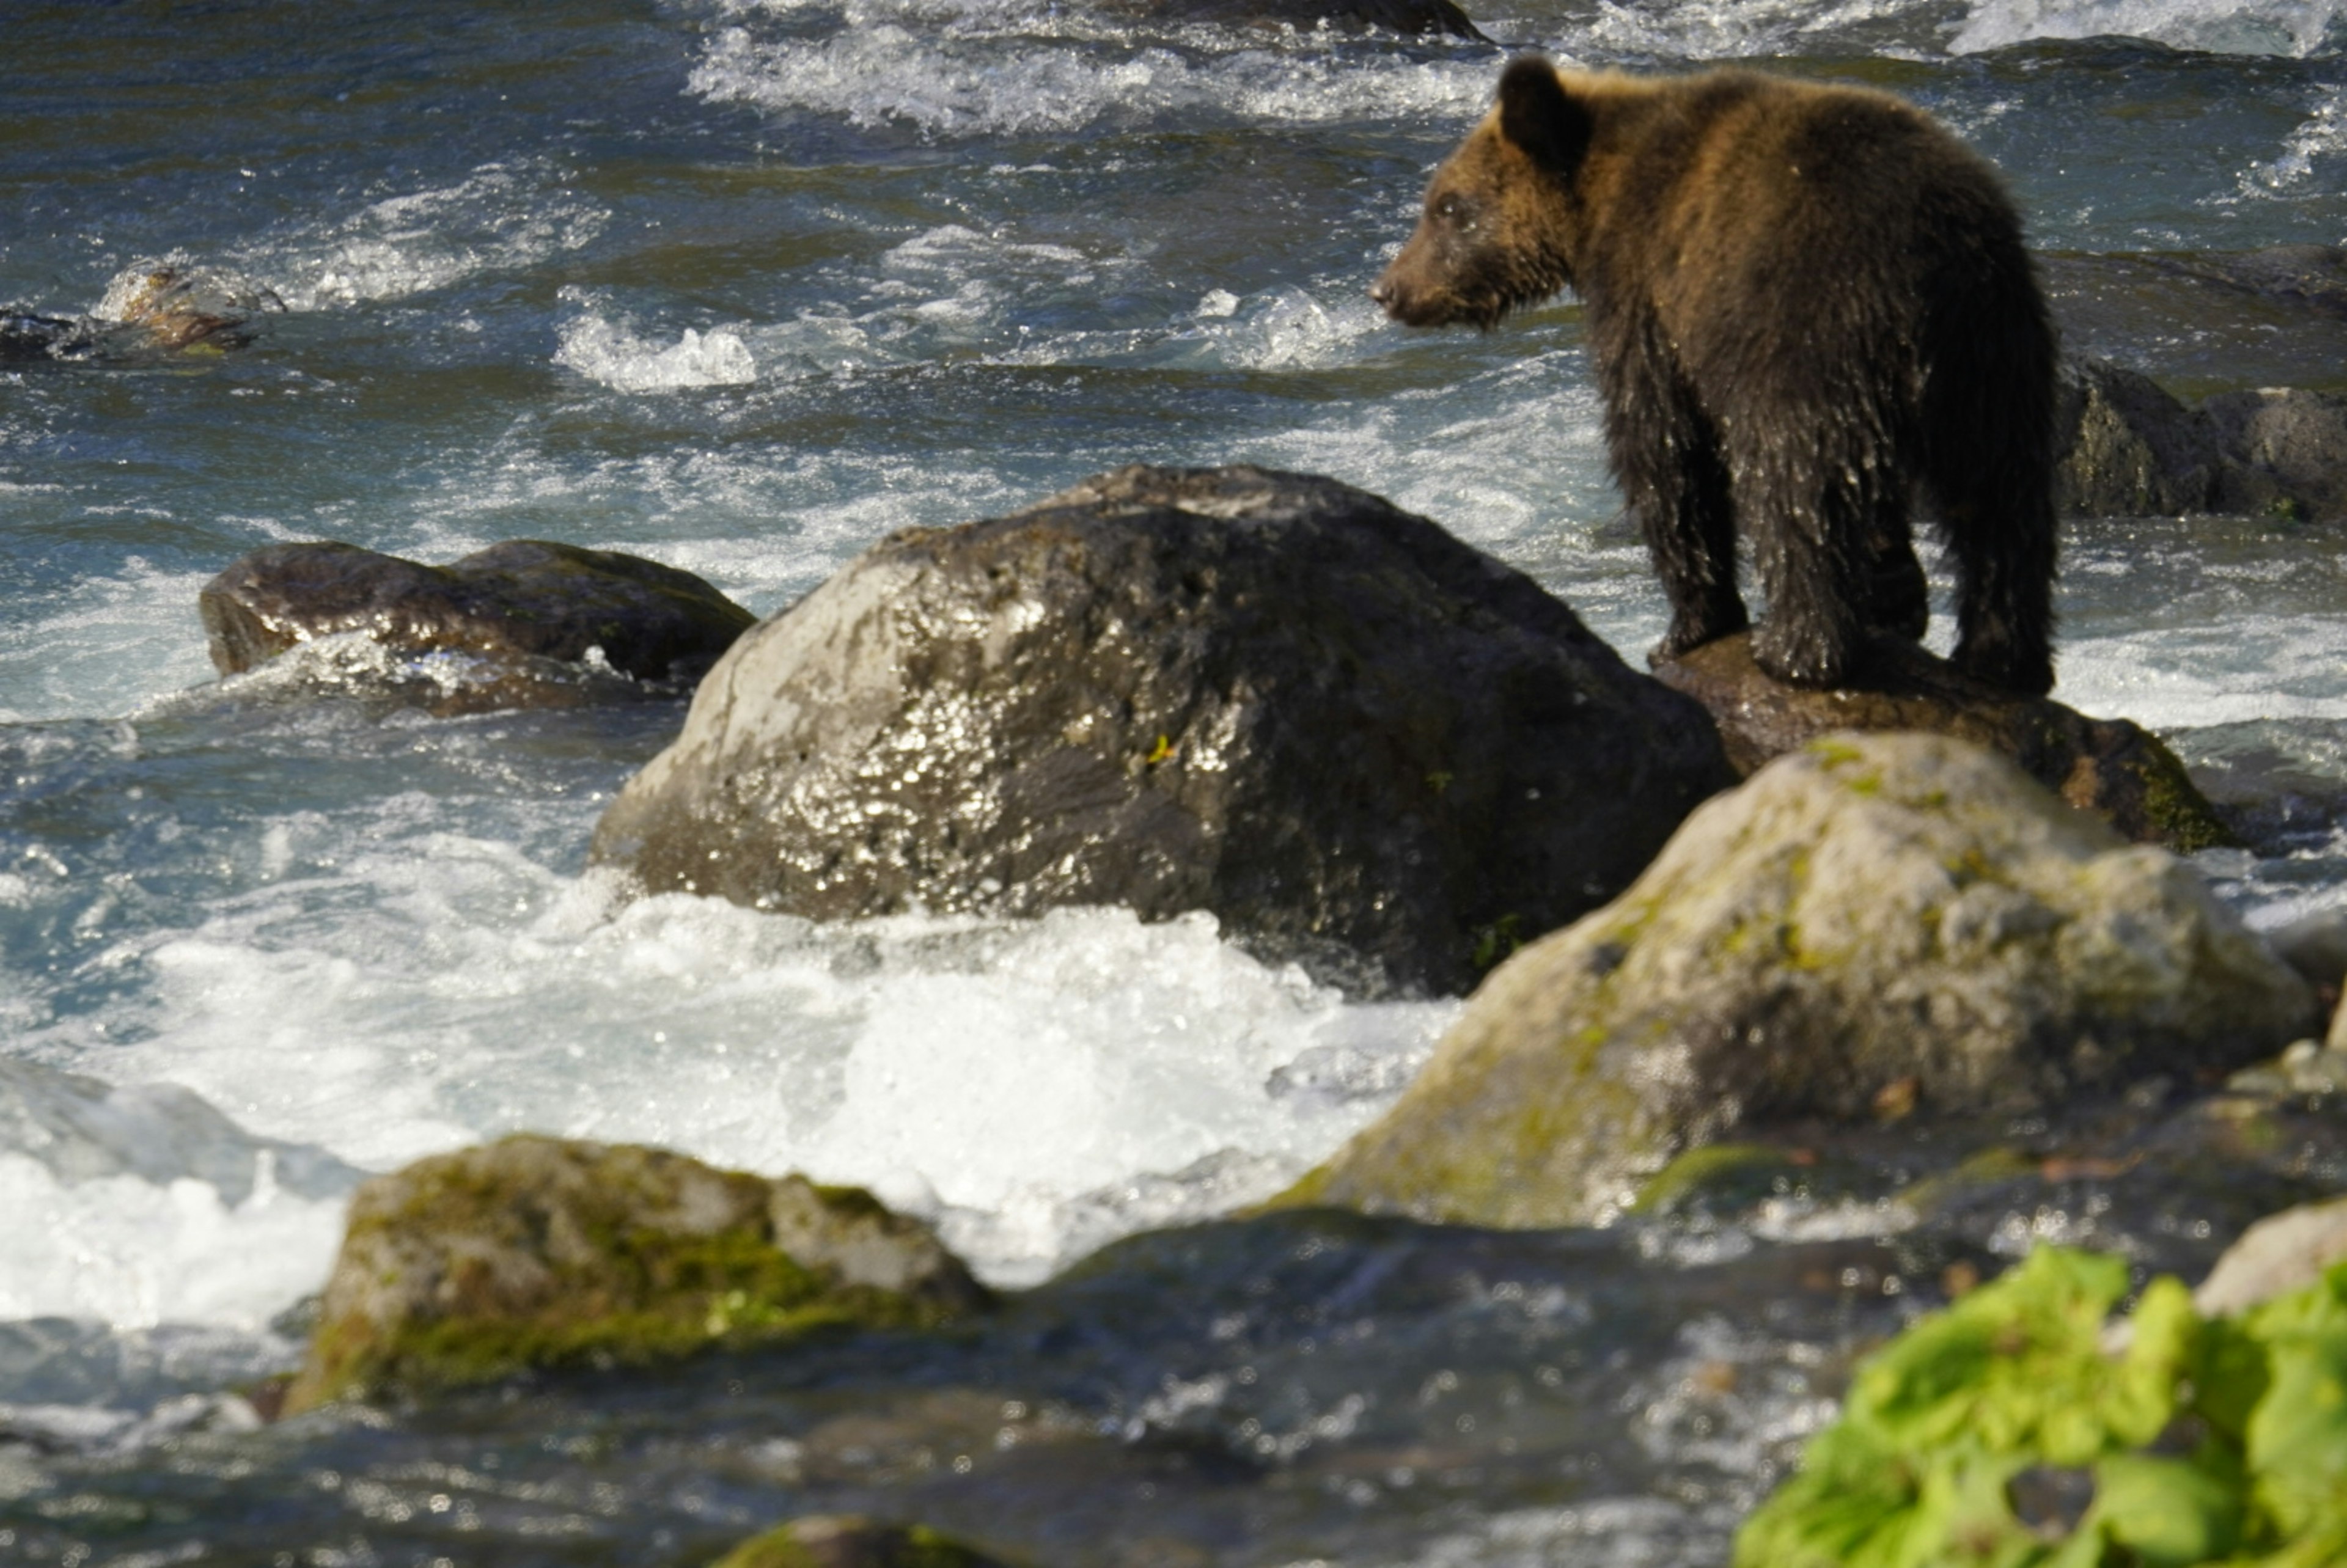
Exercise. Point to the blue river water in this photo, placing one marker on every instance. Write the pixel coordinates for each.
(743, 285)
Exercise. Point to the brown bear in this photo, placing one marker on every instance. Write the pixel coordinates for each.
(1802, 302)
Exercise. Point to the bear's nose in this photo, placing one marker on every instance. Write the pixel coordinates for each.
(1382, 290)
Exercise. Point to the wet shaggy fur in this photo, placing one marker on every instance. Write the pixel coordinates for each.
(1802, 302)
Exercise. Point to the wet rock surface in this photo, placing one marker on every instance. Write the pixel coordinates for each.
(1875, 926)
(2111, 768)
(850, 1540)
(2134, 450)
(514, 613)
(1356, 741)
(539, 1252)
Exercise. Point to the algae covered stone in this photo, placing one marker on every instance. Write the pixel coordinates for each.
(541, 1252)
(1873, 915)
(849, 1540)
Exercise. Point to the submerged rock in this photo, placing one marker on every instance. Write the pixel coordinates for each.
(83, 1130)
(510, 609)
(2110, 767)
(1355, 740)
(2133, 450)
(847, 1541)
(1876, 924)
(150, 309)
(542, 1252)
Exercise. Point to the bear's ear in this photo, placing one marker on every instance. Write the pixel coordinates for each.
(1538, 115)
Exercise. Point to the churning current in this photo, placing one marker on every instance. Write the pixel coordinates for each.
(743, 285)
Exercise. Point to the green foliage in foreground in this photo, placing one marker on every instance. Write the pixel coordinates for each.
(2208, 1441)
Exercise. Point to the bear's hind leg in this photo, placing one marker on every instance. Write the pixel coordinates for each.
(1667, 461)
(1899, 597)
(1814, 543)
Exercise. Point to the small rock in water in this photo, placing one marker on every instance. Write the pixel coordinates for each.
(2110, 767)
(847, 1541)
(544, 1252)
(1360, 744)
(512, 608)
(1902, 916)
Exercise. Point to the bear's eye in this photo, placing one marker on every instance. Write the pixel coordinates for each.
(1456, 213)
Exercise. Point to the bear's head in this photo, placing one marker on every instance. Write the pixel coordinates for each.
(1498, 228)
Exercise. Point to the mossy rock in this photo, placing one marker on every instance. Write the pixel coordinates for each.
(846, 1541)
(1874, 915)
(542, 1252)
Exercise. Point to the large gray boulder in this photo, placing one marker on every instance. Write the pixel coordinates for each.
(536, 1252)
(1875, 921)
(1359, 743)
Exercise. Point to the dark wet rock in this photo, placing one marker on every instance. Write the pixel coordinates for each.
(542, 1252)
(1877, 927)
(849, 1540)
(2133, 450)
(2209, 322)
(1357, 742)
(2113, 768)
(510, 609)
(1414, 19)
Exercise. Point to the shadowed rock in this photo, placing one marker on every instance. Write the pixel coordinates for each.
(1877, 925)
(544, 1252)
(1357, 741)
(510, 607)
(2133, 450)
(2113, 768)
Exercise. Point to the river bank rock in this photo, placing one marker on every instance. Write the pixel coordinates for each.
(1876, 924)
(2110, 767)
(509, 611)
(542, 1252)
(849, 1540)
(1357, 742)
(2133, 450)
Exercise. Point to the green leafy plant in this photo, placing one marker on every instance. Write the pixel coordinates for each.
(2004, 1433)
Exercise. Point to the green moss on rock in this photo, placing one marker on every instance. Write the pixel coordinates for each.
(846, 1540)
(540, 1252)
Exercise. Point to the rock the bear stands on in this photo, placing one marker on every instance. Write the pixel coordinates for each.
(1801, 300)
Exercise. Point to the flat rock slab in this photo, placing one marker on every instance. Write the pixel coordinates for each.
(2111, 768)
(512, 607)
(1358, 741)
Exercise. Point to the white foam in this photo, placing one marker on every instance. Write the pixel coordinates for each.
(2319, 144)
(134, 1253)
(2296, 27)
(1020, 1072)
(501, 216)
(102, 645)
(893, 64)
(607, 351)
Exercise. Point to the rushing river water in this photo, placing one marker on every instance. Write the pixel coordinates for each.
(743, 285)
